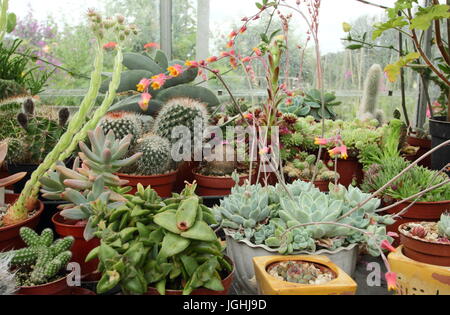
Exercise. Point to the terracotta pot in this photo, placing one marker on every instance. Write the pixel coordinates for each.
(77, 291)
(55, 288)
(349, 170)
(421, 211)
(214, 186)
(323, 185)
(81, 248)
(425, 146)
(9, 235)
(185, 175)
(424, 251)
(225, 282)
(162, 184)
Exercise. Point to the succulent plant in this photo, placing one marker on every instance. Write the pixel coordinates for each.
(43, 259)
(300, 272)
(145, 66)
(303, 168)
(156, 155)
(94, 183)
(444, 225)
(123, 124)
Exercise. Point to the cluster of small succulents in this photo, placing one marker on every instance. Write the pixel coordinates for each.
(304, 166)
(43, 259)
(300, 272)
(290, 219)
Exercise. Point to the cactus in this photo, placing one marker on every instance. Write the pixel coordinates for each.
(123, 124)
(155, 159)
(93, 184)
(144, 66)
(369, 101)
(444, 225)
(182, 112)
(43, 259)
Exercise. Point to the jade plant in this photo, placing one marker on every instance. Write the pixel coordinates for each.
(43, 260)
(142, 68)
(162, 244)
(303, 218)
(79, 124)
(91, 183)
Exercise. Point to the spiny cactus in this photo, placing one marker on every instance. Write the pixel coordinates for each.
(369, 101)
(182, 112)
(8, 283)
(145, 66)
(122, 124)
(43, 258)
(156, 158)
(444, 225)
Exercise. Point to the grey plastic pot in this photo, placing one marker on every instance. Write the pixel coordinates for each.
(242, 253)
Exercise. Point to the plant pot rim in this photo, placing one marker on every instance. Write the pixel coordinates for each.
(441, 119)
(195, 172)
(147, 176)
(400, 229)
(227, 278)
(425, 203)
(38, 213)
(58, 215)
(44, 285)
(272, 250)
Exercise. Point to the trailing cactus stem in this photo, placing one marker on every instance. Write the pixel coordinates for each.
(102, 110)
(18, 212)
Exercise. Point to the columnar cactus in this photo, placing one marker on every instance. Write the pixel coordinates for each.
(122, 124)
(369, 101)
(43, 257)
(156, 158)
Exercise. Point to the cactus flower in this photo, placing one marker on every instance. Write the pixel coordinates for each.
(158, 81)
(175, 70)
(388, 246)
(110, 46)
(145, 100)
(143, 85)
(391, 278)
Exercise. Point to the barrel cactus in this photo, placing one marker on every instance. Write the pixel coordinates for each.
(142, 66)
(156, 158)
(43, 259)
(123, 124)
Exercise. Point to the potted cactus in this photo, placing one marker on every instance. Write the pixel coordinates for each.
(261, 221)
(151, 246)
(427, 242)
(84, 187)
(9, 235)
(40, 269)
(301, 275)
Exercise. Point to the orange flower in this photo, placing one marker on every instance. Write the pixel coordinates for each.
(110, 46)
(151, 46)
(387, 246)
(243, 29)
(339, 151)
(320, 141)
(391, 278)
(143, 85)
(175, 70)
(158, 81)
(232, 34)
(246, 59)
(230, 44)
(145, 100)
(211, 59)
(257, 51)
(192, 64)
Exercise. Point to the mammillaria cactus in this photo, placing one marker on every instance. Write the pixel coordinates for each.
(156, 158)
(444, 225)
(122, 124)
(43, 259)
(142, 66)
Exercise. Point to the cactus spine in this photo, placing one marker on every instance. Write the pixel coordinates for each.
(369, 101)
(155, 158)
(122, 124)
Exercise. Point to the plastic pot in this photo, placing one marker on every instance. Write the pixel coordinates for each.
(185, 175)
(162, 184)
(440, 133)
(202, 291)
(350, 170)
(54, 288)
(9, 235)
(424, 146)
(213, 186)
(81, 248)
(269, 285)
(424, 251)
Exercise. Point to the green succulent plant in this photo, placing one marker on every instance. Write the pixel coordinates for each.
(43, 259)
(444, 225)
(145, 66)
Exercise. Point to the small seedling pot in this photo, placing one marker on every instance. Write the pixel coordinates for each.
(162, 184)
(425, 251)
(9, 235)
(80, 248)
(343, 284)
